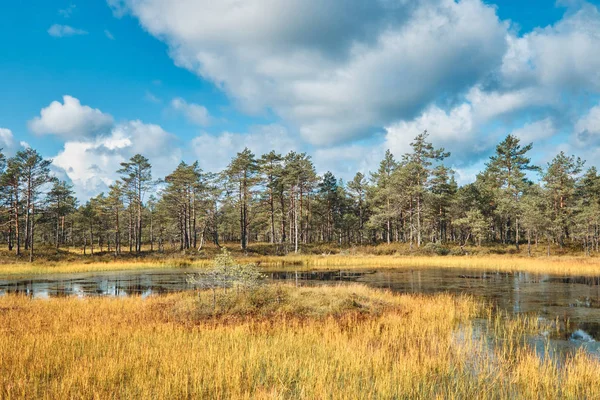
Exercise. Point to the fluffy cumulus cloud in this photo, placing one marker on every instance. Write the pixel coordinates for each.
(583, 139)
(214, 152)
(59, 31)
(460, 129)
(335, 70)
(9, 145)
(91, 164)
(541, 73)
(561, 56)
(444, 128)
(536, 131)
(194, 113)
(348, 80)
(7, 140)
(587, 129)
(346, 160)
(70, 120)
(341, 72)
(488, 105)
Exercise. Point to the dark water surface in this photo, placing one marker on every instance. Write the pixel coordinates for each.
(574, 301)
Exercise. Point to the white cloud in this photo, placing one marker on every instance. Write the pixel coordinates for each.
(335, 70)
(66, 12)
(214, 152)
(460, 129)
(91, 164)
(339, 71)
(451, 129)
(488, 105)
(587, 129)
(8, 143)
(536, 131)
(465, 174)
(562, 56)
(58, 30)
(151, 97)
(538, 69)
(108, 34)
(583, 142)
(195, 113)
(7, 140)
(70, 120)
(346, 160)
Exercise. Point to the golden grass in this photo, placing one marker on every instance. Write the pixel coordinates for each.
(396, 255)
(559, 265)
(66, 267)
(281, 342)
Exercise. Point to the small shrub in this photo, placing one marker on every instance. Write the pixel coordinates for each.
(436, 248)
(226, 273)
(458, 251)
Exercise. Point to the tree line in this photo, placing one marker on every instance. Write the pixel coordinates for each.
(281, 200)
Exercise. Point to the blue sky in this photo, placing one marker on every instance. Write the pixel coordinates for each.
(115, 75)
(191, 80)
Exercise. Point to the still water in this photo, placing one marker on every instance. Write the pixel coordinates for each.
(575, 301)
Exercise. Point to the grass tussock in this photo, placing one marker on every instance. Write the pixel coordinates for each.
(279, 342)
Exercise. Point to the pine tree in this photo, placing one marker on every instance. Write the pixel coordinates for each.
(183, 194)
(299, 178)
(61, 203)
(357, 189)
(419, 163)
(442, 191)
(271, 170)
(536, 218)
(328, 191)
(560, 180)
(12, 181)
(114, 207)
(506, 175)
(472, 226)
(587, 217)
(137, 179)
(35, 174)
(382, 194)
(241, 173)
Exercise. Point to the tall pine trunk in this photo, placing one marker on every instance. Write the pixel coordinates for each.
(17, 230)
(31, 233)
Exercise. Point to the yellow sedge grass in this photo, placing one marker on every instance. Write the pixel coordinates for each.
(346, 342)
(560, 265)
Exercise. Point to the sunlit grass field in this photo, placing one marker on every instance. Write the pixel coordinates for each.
(279, 342)
(567, 262)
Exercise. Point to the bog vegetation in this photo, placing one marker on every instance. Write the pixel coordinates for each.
(279, 341)
(280, 200)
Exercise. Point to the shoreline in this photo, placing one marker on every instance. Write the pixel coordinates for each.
(554, 265)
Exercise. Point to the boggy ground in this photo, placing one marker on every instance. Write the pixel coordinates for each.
(566, 261)
(277, 341)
